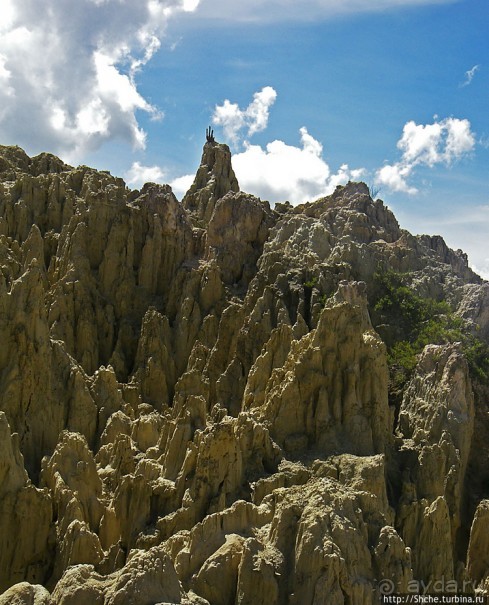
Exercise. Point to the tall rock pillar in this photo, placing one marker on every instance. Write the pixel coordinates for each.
(215, 177)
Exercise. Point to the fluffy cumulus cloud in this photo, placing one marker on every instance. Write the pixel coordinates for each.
(279, 171)
(138, 174)
(67, 70)
(442, 142)
(235, 121)
(284, 172)
(181, 185)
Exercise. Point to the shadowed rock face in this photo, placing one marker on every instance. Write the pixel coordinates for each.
(195, 402)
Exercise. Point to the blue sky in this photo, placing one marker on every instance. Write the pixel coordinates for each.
(308, 94)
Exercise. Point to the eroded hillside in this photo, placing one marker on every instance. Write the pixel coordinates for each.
(219, 402)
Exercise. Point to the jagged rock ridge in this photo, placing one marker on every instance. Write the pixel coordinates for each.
(196, 404)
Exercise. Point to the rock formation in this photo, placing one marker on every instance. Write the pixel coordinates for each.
(201, 402)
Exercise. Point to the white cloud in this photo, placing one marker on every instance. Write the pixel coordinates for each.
(419, 143)
(6, 15)
(460, 139)
(469, 76)
(283, 172)
(482, 267)
(394, 178)
(305, 10)
(279, 171)
(254, 118)
(5, 77)
(181, 185)
(190, 5)
(68, 69)
(429, 144)
(92, 119)
(138, 174)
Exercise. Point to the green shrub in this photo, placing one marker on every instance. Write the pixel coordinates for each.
(311, 283)
(418, 322)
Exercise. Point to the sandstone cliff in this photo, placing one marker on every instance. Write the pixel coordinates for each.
(219, 402)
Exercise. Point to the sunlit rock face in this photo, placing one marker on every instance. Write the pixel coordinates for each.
(199, 400)
(215, 177)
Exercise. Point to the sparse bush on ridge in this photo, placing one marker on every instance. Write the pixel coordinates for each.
(421, 321)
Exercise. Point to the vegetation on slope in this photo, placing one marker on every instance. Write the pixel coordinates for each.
(413, 322)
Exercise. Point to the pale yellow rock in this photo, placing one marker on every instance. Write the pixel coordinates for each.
(132, 502)
(204, 390)
(475, 307)
(439, 398)
(33, 247)
(366, 475)
(26, 594)
(79, 545)
(154, 360)
(213, 469)
(117, 459)
(25, 517)
(211, 286)
(331, 392)
(259, 572)
(237, 230)
(437, 421)
(393, 560)
(217, 578)
(478, 552)
(107, 396)
(434, 545)
(273, 356)
(312, 546)
(288, 474)
(72, 476)
(330, 551)
(117, 424)
(146, 430)
(214, 178)
(146, 579)
(189, 550)
(426, 529)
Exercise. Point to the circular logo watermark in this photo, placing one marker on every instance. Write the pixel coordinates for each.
(386, 587)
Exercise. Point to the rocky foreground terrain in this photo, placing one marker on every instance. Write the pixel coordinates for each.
(216, 402)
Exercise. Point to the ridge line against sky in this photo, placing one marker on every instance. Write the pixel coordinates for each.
(301, 92)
